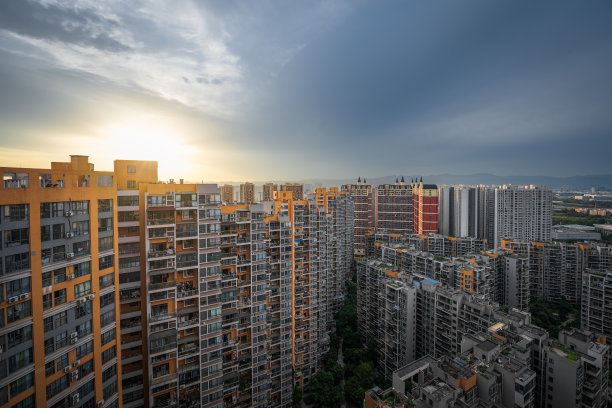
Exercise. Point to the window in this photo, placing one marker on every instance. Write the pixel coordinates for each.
(49, 346)
(131, 184)
(107, 280)
(161, 370)
(82, 310)
(17, 287)
(109, 354)
(60, 319)
(86, 368)
(45, 233)
(80, 227)
(17, 262)
(109, 373)
(84, 329)
(105, 181)
(105, 205)
(15, 180)
(131, 262)
(62, 362)
(16, 237)
(82, 269)
(59, 231)
(105, 224)
(106, 262)
(107, 318)
(18, 311)
(22, 384)
(59, 253)
(28, 402)
(59, 276)
(107, 299)
(108, 336)
(47, 301)
(127, 201)
(84, 350)
(82, 289)
(131, 169)
(105, 243)
(16, 212)
(80, 248)
(57, 386)
(20, 360)
(60, 297)
(50, 368)
(61, 340)
(19, 336)
(109, 390)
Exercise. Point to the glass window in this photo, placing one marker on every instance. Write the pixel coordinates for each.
(17, 287)
(131, 184)
(83, 309)
(82, 289)
(22, 384)
(105, 181)
(59, 276)
(18, 311)
(109, 354)
(107, 299)
(16, 237)
(106, 262)
(16, 212)
(107, 280)
(47, 301)
(19, 336)
(82, 269)
(105, 205)
(108, 336)
(84, 349)
(105, 244)
(60, 297)
(59, 231)
(127, 201)
(20, 360)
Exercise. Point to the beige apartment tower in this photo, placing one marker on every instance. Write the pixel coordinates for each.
(247, 193)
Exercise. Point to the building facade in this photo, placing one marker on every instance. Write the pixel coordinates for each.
(58, 287)
(268, 191)
(247, 193)
(424, 208)
(362, 194)
(393, 207)
(227, 194)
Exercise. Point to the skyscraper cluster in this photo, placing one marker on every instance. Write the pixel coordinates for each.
(141, 293)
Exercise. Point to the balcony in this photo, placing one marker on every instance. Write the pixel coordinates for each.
(160, 317)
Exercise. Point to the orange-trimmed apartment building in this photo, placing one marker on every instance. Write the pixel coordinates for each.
(58, 304)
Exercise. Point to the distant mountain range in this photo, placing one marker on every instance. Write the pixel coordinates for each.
(600, 181)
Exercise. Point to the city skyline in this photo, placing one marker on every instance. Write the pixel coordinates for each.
(364, 88)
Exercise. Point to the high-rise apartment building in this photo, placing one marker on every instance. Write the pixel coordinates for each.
(393, 207)
(296, 189)
(522, 212)
(58, 297)
(227, 194)
(424, 208)
(362, 194)
(575, 371)
(463, 211)
(268, 191)
(247, 193)
(596, 302)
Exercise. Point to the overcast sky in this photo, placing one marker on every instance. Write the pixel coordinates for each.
(258, 90)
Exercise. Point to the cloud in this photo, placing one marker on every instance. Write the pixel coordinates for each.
(134, 45)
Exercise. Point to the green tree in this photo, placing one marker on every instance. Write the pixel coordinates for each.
(298, 394)
(323, 391)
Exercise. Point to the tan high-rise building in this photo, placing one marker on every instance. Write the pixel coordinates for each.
(296, 188)
(59, 331)
(227, 194)
(268, 191)
(247, 193)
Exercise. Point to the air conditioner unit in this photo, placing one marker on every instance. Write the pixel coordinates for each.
(92, 296)
(13, 299)
(69, 213)
(74, 334)
(73, 341)
(76, 363)
(170, 251)
(69, 234)
(83, 300)
(23, 296)
(170, 239)
(70, 255)
(182, 387)
(70, 277)
(74, 376)
(101, 403)
(67, 369)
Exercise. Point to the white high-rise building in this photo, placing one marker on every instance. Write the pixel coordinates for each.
(522, 212)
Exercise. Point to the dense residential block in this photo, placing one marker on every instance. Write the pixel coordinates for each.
(58, 275)
(424, 208)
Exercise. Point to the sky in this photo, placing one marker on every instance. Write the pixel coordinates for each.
(288, 90)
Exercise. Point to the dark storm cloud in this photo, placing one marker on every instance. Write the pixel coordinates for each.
(65, 24)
